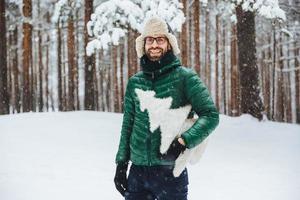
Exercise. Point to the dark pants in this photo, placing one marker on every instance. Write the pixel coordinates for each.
(157, 182)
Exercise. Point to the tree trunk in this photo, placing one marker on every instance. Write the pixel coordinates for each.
(71, 63)
(40, 67)
(64, 75)
(133, 53)
(280, 97)
(190, 38)
(41, 100)
(89, 103)
(115, 79)
(131, 56)
(217, 62)
(59, 68)
(268, 81)
(96, 88)
(4, 100)
(47, 74)
(108, 89)
(224, 87)
(127, 41)
(9, 66)
(129, 61)
(33, 75)
(17, 103)
(273, 68)
(122, 75)
(288, 92)
(263, 69)
(251, 101)
(234, 74)
(197, 36)
(76, 72)
(183, 37)
(297, 80)
(27, 58)
(47, 65)
(207, 50)
(101, 88)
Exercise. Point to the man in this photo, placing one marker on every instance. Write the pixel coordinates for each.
(150, 175)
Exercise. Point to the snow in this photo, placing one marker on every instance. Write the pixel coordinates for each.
(59, 6)
(287, 32)
(271, 10)
(70, 155)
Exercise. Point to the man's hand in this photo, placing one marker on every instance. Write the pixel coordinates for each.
(175, 149)
(181, 141)
(121, 178)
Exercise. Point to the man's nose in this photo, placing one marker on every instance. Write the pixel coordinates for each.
(154, 44)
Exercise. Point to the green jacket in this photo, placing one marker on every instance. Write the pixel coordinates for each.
(168, 79)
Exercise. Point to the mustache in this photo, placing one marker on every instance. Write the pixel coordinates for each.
(157, 48)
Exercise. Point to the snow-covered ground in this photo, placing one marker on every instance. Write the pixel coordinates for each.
(61, 156)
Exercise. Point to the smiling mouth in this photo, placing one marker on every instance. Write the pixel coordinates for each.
(155, 51)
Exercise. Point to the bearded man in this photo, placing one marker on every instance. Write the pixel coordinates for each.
(150, 175)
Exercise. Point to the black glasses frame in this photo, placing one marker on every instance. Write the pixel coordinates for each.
(159, 40)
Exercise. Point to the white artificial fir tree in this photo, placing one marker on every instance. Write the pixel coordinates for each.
(163, 117)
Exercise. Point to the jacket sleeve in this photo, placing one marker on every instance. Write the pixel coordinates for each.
(123, 153)
(198, 96)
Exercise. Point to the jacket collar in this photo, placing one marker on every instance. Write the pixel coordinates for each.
(155, 69)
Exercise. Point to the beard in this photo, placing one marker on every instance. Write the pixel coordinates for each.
(155, 54)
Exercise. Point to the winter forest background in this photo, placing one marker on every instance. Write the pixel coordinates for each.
(64, 55)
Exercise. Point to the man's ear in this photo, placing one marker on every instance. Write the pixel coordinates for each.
(169, 47)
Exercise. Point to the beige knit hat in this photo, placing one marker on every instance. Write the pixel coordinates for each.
(153, 26)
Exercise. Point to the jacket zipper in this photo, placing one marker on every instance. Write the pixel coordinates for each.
(149, 136)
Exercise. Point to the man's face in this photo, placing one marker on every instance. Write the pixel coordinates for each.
(156, 47)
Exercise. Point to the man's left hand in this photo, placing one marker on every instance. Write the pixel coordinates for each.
(175, 149)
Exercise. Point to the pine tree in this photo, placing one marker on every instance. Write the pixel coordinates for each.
(4, 100)
(183, 37)
(197, 35)
(89, 103)
(27, 57)
(71, 61)
(40, 66)
(59, 68)
(250, 100)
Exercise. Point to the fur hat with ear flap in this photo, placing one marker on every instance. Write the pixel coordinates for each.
(153, 27)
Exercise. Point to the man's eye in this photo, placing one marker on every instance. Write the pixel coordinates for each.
(160, 39)
(150, 39)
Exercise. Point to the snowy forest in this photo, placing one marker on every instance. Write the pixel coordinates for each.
(65, 55)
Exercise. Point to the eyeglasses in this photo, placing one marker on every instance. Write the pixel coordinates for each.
(159, 40)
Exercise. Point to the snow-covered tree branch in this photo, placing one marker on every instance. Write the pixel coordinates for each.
(113, 18)
(266, 8)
